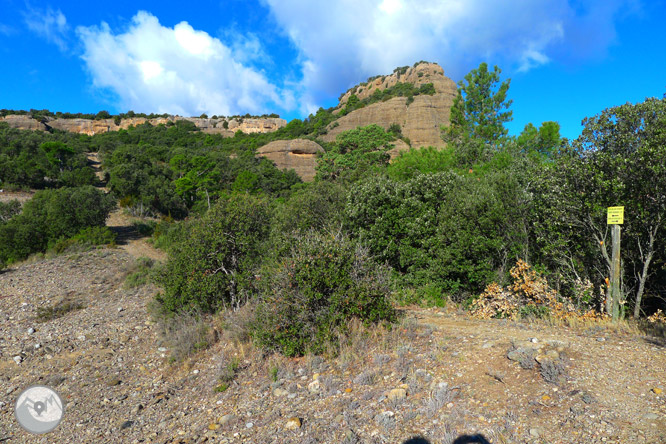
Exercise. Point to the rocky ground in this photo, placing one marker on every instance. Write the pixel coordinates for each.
(440, 375)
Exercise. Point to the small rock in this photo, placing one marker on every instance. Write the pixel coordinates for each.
(120, 309)
(195, 372)
(279, 392)
(657, 391)
(651, 416)
(488, 345)
(136, 409)
(162, 349)
(534, 433)
(601, 339)
(397, 394)
(249, 425)
(113, 382)
(550, 355)
(126, 425)
(31, 330)
(534, 340)
(314, 386)
(293, 423)
(213, 426)
(37, 345)
(18, 359)
(226, 419)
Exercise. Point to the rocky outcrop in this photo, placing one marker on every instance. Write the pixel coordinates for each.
(420, 120)
(23, 122)
(299, 155)
(92, 127)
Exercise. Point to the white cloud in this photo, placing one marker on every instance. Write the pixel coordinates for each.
(176, 70)
(49, 24)
(343, 42)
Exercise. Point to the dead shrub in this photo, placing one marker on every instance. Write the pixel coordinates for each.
(529, 295)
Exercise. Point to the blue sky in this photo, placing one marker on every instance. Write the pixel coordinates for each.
(566, 59)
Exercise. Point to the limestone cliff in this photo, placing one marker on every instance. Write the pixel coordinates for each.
(23, 122)
(299, 155)
(92, 127)
(419, 120)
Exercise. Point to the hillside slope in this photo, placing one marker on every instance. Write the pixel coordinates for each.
(440, 375)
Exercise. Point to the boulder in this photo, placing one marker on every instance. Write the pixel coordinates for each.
(298, 154)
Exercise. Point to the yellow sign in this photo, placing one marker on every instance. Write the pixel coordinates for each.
(615, 216)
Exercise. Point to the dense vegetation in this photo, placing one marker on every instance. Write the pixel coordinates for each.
(433, 225)
(52, 216)
(41, 160)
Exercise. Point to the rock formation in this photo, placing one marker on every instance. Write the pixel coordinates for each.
(298, 154)
(420, 120)
(23, 122)
(92, 127)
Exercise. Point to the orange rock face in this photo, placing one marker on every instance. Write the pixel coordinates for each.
(420, 121)
(92, 127)
(299, 155)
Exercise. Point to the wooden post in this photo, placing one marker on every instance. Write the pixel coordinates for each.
(615, 217)
(615, 273)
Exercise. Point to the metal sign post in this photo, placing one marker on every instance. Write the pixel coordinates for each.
(615, 217)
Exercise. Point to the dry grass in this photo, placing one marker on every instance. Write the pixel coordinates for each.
(184, 333)
(58, 309)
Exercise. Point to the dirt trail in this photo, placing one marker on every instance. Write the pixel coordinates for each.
(128, 238)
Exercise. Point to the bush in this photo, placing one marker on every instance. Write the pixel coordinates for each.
(215, 265)
(9, 210)
(167, 234)
(310, 297)
(141, 273)
(184, 333)
(52, 215)
(86, 238)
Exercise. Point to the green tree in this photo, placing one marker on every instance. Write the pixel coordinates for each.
(629, 146)
(355, 153)
(617, 160)
(544, 141)
(481, 108)
(215, 266)
(57, 153)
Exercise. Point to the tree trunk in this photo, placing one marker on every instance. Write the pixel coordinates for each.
(644, 275)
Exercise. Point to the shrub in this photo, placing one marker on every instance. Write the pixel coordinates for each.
(215, 265)
(52, 215)
(9, 210)
(184, 333)
(310, 297)
(431, 295)
(85, 239)
(58, 309)
(141, 273)
(529, 295)
(145, 228)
